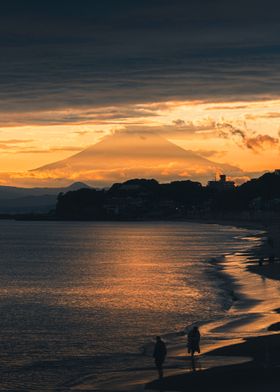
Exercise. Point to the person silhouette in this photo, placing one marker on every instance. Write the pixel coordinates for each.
(193, 341)
(271, 256)
(159, 355)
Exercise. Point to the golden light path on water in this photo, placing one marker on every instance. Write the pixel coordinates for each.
(79, 298)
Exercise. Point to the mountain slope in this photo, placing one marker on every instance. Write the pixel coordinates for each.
(122, 156)
(15, 200)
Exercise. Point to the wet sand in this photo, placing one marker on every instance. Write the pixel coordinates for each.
(254, 318)
(239, 351)
(261, 373)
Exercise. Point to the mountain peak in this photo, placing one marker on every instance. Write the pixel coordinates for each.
(124, 155)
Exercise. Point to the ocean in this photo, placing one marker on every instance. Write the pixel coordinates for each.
(82, 299)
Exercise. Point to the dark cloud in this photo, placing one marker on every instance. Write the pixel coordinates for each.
(227, 130)
(81, 133)
(10, 144)
(105, 115)
(260, 142)
(208, 127)
(93, 53)
(211, 153)
(179, 123)
(226, 107)
(265, 115)
(245, 137)
(179, 128)
(49, 150)
(16, 141)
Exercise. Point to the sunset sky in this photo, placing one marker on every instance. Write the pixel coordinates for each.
(204, 74)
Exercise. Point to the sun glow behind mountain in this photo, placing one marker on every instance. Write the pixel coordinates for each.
(203, 76)
(121, 156)
(237, 137)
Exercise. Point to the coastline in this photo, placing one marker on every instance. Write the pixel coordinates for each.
(178, 369)
(257, 324)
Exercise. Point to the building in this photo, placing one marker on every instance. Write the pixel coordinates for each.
(222, 184)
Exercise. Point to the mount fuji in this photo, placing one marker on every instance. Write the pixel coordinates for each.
(122, 156)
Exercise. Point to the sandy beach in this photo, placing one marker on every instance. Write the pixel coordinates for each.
(254, 319)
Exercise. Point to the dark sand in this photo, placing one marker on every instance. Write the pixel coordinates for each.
(262, 372)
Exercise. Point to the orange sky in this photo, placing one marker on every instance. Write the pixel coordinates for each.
(205, 75)
(243, 134)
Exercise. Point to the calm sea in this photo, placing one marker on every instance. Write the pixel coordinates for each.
(83, 298)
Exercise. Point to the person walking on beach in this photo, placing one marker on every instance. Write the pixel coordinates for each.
(271, 257)
(193, 341)
(159, 355)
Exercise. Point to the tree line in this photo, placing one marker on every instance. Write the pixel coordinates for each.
(141, 199)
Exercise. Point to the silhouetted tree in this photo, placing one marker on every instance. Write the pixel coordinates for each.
(147, 199)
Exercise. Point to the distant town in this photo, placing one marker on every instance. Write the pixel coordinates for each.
(147, 199)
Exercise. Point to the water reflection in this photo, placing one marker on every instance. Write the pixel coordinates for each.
(88, 293)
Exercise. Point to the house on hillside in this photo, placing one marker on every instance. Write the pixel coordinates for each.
(222, 184)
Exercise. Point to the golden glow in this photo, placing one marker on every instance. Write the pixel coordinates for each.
(243, 134)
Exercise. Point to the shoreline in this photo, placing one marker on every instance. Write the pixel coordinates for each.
(259, 348)
(178, 363)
